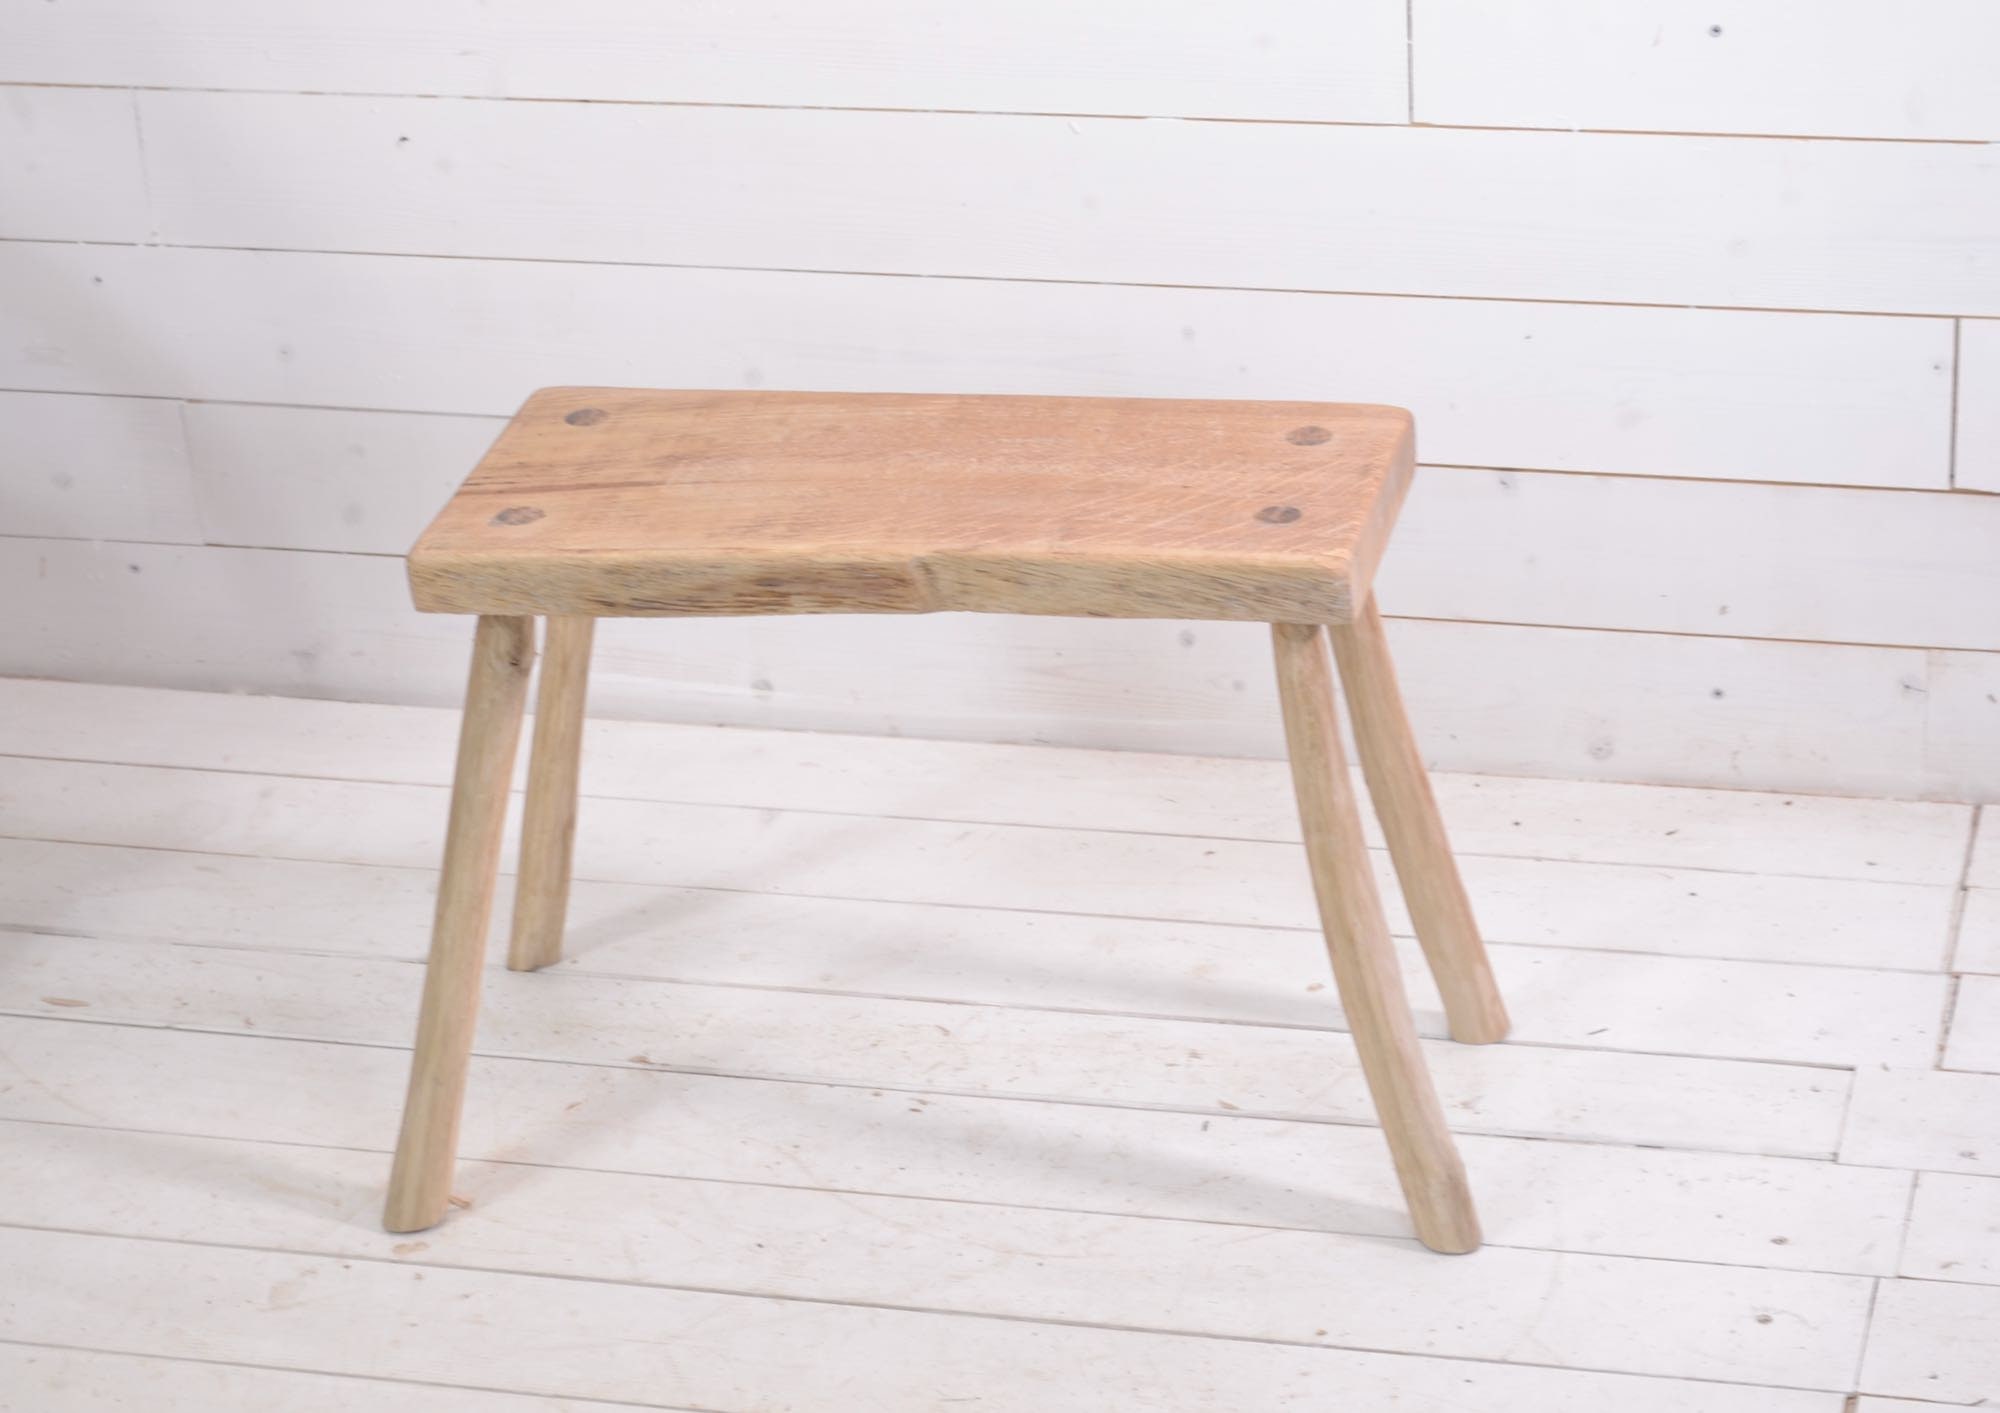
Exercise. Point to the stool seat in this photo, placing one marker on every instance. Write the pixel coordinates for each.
(622, 502)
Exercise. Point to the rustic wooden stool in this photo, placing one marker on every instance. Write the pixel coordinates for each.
(604, 502)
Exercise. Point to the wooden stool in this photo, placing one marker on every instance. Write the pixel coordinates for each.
(599, 501)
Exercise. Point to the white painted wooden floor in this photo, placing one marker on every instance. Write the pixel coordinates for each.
(896, 1075)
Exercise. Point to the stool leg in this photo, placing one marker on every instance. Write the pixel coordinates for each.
(503, 651)
(1364, 961)
(1401, 789)
(548, 824)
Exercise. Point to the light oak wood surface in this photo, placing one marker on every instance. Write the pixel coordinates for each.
(617, 502)
(503, 653)
(1401, 790)
(609, 502)
(1357, 938)
(548, 821)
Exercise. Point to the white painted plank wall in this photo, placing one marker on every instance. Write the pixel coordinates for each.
(1978, 447)
(1271, 59)
(1708, 393)
(115, 468)
(1354, 208)
(914, 1147)
(1813, 68)
(69, 164)
(1513, 546)
(249, 298)
(1671, 708)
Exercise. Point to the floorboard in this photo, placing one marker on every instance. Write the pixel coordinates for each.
(1586, 820)
(1680, 1318)
(1276, 976)
(1099, 873)
(900, 1075)
(1591, 1198)
(711, 1350)
(1185, 1066)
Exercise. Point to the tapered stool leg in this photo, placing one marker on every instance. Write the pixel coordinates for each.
(503, 651)
(1401, 789)
(548, 824)
(1364, 960)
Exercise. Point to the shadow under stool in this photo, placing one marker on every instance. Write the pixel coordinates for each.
(601, 502)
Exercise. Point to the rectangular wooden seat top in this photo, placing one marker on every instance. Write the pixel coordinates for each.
(620, 502)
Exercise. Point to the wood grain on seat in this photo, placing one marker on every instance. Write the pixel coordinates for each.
(601, 501)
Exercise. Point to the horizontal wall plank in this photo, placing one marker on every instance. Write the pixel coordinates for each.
(1979, 405)
(1171, 878)
(1155, 972)
(1258, 59)
(1592, 1198)
(1759, 561)
(1825, 68)
(112, 468)
(322, 479)
(1652, 391)
(69, 163)
(1506, 700)
(967, 1258)
(1580, 820)
(1398, 210)
(733, 1354)
(1667, 556)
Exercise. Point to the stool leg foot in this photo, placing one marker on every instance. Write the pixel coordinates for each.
(548, 824)
(503, 651)
(1364, 961)
(1401, 789)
